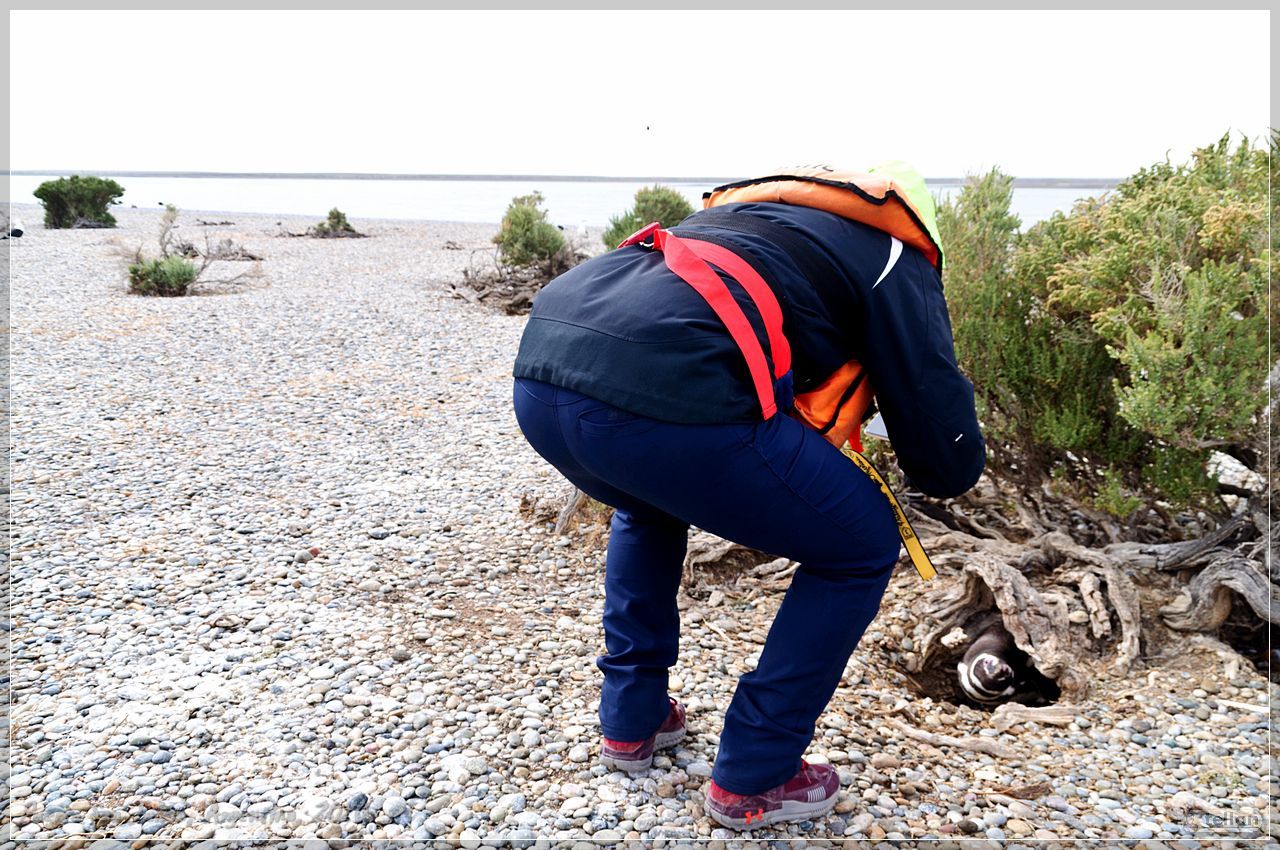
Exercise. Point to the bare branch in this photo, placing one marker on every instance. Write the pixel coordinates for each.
(976, 745)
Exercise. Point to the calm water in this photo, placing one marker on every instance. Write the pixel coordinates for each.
(570, 204)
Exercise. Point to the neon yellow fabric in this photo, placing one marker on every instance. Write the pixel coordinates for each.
(919, 557)
(911, 182)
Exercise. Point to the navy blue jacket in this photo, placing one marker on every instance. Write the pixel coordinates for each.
(622, 328)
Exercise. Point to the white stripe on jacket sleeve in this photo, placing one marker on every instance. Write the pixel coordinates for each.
(895, 251)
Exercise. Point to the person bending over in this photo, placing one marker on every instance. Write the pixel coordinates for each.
(708, 375)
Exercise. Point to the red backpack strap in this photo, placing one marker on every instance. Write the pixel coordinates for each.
(641, 235)
(766, 302)
(682, 260)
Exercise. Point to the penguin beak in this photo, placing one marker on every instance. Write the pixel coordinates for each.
(996, 671)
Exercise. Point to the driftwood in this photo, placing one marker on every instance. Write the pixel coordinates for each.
(510, 289)
(706, 551)
(1120, 592)
(1207, 601)
(491, 281)
(319, 231)
(775, 569)
(233, 252)
(709, 560)
(1183, 803)
(1076, 609)
(986, 584)
(1012, 713)
(1018, 793)
(1124, 598)
(226, 250)
(1095, 605)
(1180, 555)
(574, 502)
(971, 744)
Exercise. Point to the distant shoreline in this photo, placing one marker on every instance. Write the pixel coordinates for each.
(1018, 182)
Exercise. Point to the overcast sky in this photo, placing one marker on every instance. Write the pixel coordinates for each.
(1040, 94)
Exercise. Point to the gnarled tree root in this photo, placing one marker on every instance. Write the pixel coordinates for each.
(1205, 604)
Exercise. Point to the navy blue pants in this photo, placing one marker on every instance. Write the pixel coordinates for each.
(775, 486)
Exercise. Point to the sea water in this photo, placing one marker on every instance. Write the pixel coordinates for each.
(569, 203)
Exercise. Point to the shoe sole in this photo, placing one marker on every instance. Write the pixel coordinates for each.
(792, 810)
(660, 742)
(668, 739)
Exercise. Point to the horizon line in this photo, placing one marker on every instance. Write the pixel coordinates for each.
(1018, 182)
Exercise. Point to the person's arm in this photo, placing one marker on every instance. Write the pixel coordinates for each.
(926, 402)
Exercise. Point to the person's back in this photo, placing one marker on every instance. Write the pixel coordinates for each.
(623, 329)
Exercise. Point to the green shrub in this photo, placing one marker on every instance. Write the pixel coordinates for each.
(527, 238)
(170, 273)
(336, 225)
(1128, 335)
(168, 277)
(653, 203)
(1043, 384)
(1113, 497)
(77, 201)
(1171, 276)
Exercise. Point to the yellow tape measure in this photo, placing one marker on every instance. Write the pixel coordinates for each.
(919, 558)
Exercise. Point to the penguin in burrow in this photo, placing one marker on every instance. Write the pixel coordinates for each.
(993, 669)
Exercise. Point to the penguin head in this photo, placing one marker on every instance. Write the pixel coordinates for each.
(994, 673)
(986, 678)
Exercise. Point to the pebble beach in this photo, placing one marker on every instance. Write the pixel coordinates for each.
(270, 579)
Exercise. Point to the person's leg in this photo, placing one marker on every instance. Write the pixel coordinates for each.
(771, 719)
(779, 487)
(641, 622)
(643, 566)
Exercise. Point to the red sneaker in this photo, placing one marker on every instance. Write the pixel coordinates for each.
(633, 756)
(810, 793)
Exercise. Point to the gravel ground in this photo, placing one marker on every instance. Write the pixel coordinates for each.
(271, 580)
